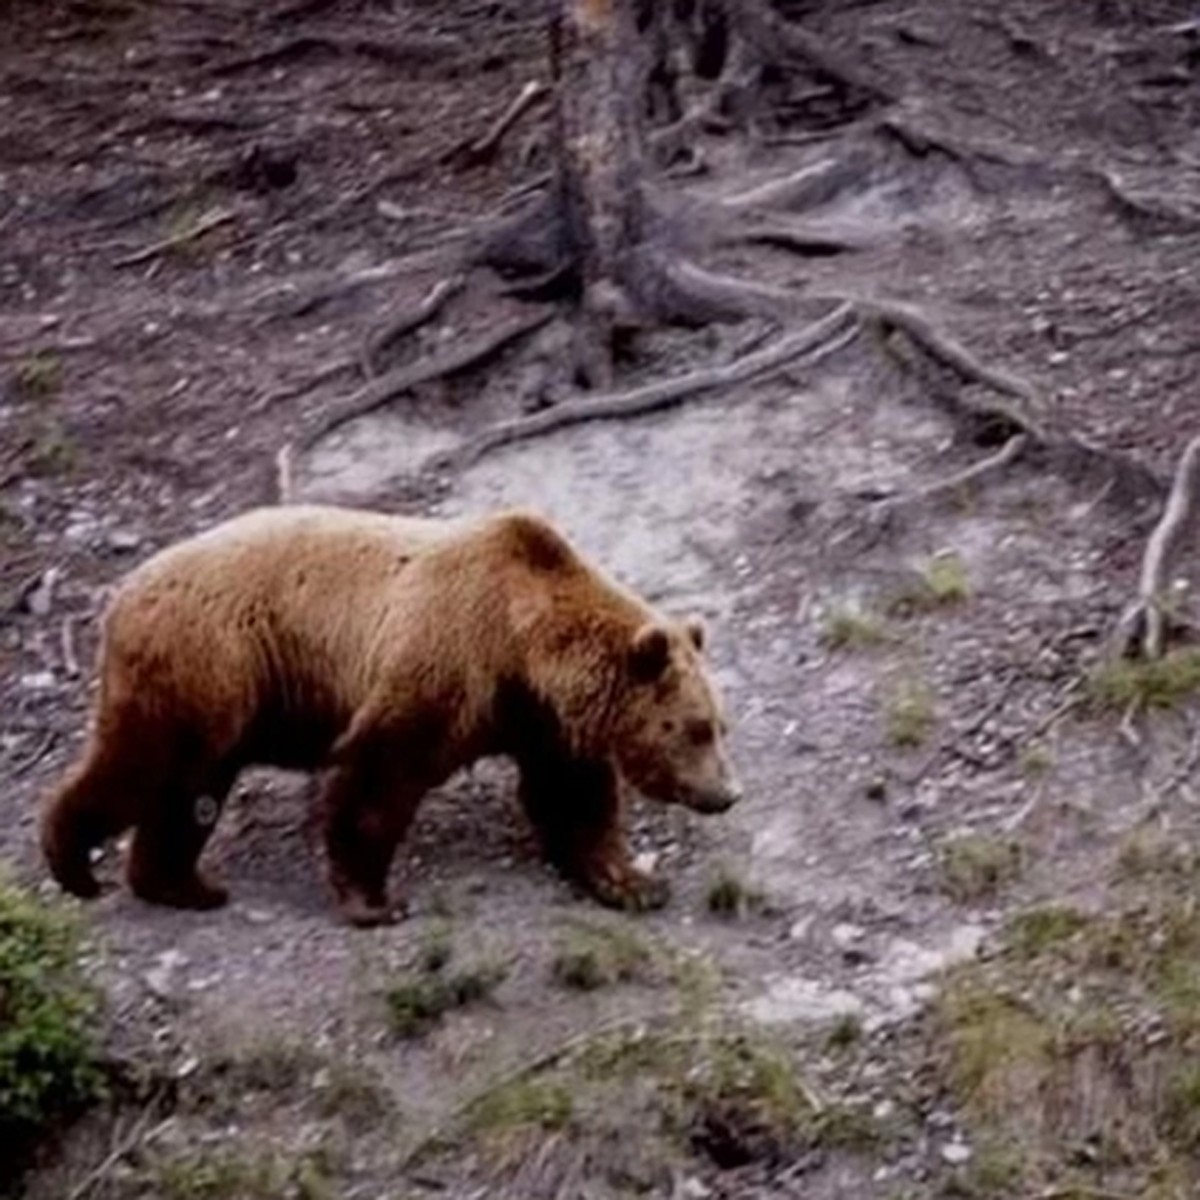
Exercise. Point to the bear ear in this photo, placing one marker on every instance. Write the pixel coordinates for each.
(650, 652)
(697, 632)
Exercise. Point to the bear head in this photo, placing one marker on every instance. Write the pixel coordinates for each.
(670, 743)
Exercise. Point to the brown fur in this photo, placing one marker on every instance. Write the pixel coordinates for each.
(392, 651)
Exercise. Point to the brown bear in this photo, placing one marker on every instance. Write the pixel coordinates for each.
(391, 651)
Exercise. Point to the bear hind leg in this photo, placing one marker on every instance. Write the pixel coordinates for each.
(366, 811)
(576, 810)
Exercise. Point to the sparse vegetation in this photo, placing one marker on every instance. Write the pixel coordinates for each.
(1035, 931)
(1073, 1051)
(731, 897)
(846, 1032)
(519, 1105)
(847, 627)
(38, 375)
(49, 1058)
(418, 1002)
(591, 956)
(975, 866)
(909, 715)
(941, 582)
(52, 450)
(1123, 685)
(221, 1174)
(1035, 760)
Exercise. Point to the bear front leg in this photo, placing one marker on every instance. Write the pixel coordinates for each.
(366, 811)
(162, 866)
(576, 808)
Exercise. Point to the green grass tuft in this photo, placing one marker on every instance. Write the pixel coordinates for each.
(417, 1003)
(975, 867)
(1124, 684)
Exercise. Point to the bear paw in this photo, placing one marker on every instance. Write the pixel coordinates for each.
(630, 889)
(362, 913)
(195, 893)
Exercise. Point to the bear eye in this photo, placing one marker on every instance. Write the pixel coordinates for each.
(700, 733)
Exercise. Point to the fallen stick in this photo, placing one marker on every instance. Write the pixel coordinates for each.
(482, 149)
(1144, 620)
(206, 224)
(382, 391)
(656, 397)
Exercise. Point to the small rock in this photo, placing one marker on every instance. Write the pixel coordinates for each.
(646, 861)
(41, 599)
(160, 977)
(956, 1153)
(846, 935)
(259, 916)
(38, 681)
(124, 541)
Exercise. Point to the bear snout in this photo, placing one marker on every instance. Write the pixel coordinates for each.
(717, 798)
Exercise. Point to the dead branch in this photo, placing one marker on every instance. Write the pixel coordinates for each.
(460, 357)
(1145, 620)
(483, 148)
(206, 224)
(408, 320)
(655, 397)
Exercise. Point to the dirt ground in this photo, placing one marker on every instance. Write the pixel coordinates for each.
(206, 209)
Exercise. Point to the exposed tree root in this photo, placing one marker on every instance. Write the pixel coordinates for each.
(461, 357)
(408, 320)
(1144, 625)
(823, 336)
(811, 238)
(885, 515)
(891, 316)
(815, 184)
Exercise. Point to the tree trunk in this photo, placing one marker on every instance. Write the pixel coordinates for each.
(600, 65)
